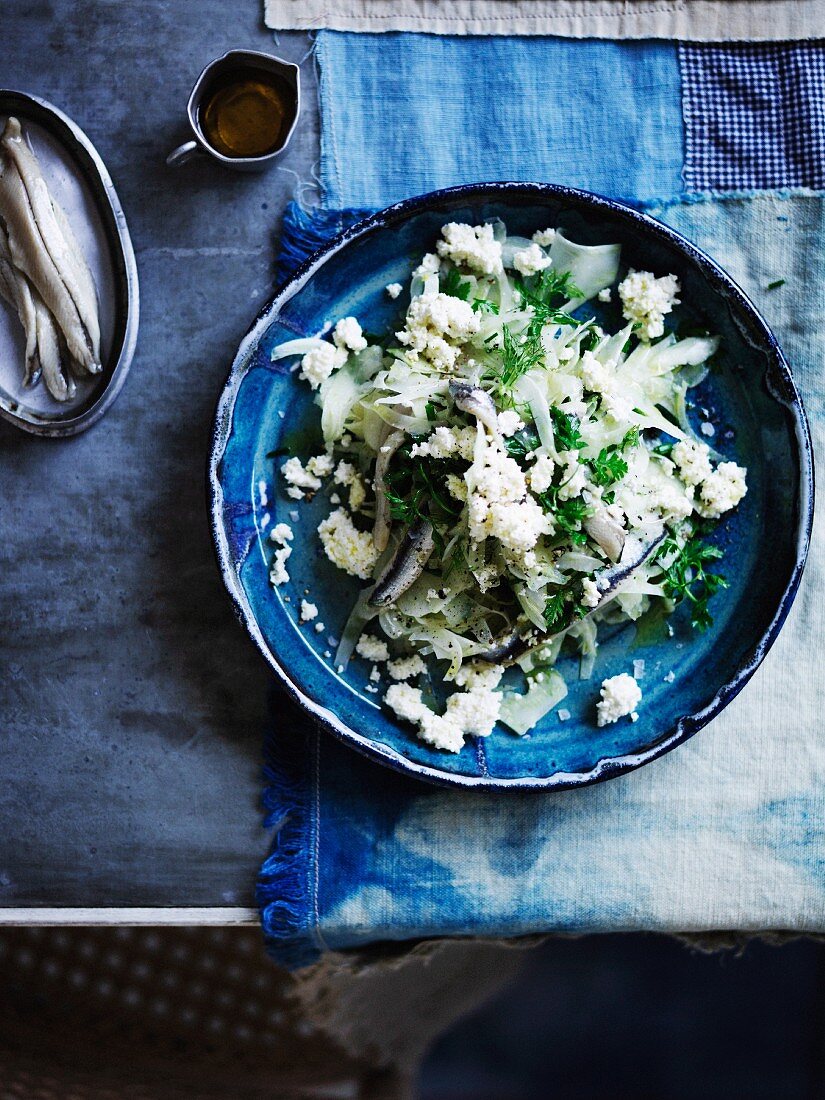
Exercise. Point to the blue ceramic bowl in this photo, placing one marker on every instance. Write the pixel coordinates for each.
(760, 422)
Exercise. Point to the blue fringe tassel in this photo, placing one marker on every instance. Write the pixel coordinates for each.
(283, 893)
(304, 231)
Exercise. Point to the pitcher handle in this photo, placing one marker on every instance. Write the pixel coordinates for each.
(184, 153)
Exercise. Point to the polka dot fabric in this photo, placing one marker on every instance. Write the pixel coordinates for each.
(754, 115)
(157, 1014)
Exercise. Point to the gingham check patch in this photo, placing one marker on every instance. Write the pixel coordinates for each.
(754, 115)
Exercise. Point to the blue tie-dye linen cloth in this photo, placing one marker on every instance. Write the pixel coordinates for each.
(407, 113)
(727, 833)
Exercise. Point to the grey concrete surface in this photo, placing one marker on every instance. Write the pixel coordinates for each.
(131, 702)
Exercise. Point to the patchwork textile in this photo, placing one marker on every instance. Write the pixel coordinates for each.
(725, 833)
(728, 832)
(411, 113)
(754, 115)
(689, 20)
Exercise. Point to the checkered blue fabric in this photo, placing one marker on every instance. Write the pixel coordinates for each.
(754, 115)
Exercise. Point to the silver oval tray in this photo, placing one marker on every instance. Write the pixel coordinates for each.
(79, 181)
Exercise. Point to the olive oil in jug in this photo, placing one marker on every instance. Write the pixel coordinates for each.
(247, 113)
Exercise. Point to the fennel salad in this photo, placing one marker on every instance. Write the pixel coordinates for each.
(506, 477)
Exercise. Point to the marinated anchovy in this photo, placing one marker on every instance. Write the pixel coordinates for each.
(636, 553)
(59, 382)
(43, 352)
(381, 527)
(14, 287)
(507, 651)
(406, 565)
(607, 533)
(477, 402)
(88, 305)
(40, 251)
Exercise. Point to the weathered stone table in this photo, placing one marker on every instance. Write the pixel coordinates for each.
(131, 700)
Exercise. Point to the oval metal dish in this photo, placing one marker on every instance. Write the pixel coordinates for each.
(80, 182)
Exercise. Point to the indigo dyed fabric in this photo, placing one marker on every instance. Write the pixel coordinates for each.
(408, 113)
(754, 115)
(727, 832)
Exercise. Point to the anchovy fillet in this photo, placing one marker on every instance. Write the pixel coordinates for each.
(381, 528)
(477, 402)
(15, 289)
(508, 649)
(406, 565)
(43, 353)
(606, 532)
(85, 280)
(59, 382)
(635, 553)
(39, 248)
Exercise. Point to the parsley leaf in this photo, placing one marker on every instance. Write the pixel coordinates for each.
(452, 284)
(561, 609)
(545, 293)
(482, 305)
(568, 514)
(609, 466)
(520, 444)
(566, 430)
(687, 578)
(550, 288)
(405, 509)
(412, 491)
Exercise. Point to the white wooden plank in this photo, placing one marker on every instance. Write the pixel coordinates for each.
(166, 915)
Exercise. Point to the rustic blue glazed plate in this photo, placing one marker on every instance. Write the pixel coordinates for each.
(751, 399)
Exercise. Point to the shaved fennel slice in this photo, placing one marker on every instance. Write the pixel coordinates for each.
(585, 633)
(610, 348)
(591, 267)
(360, 615)
(668, 354)
(579, 561)
(521, 712)
(532, 604)
(297, 347)
(693, 351)
(529, 391)
(446, 645)
(339, 394)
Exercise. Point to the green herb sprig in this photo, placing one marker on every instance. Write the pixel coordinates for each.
(566, 430)
(517, 358)
(454, 285)
(561, 609)
(568, 514)
(609, 465)
(688, 579)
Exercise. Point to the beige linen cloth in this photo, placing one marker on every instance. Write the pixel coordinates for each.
(686, 20)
